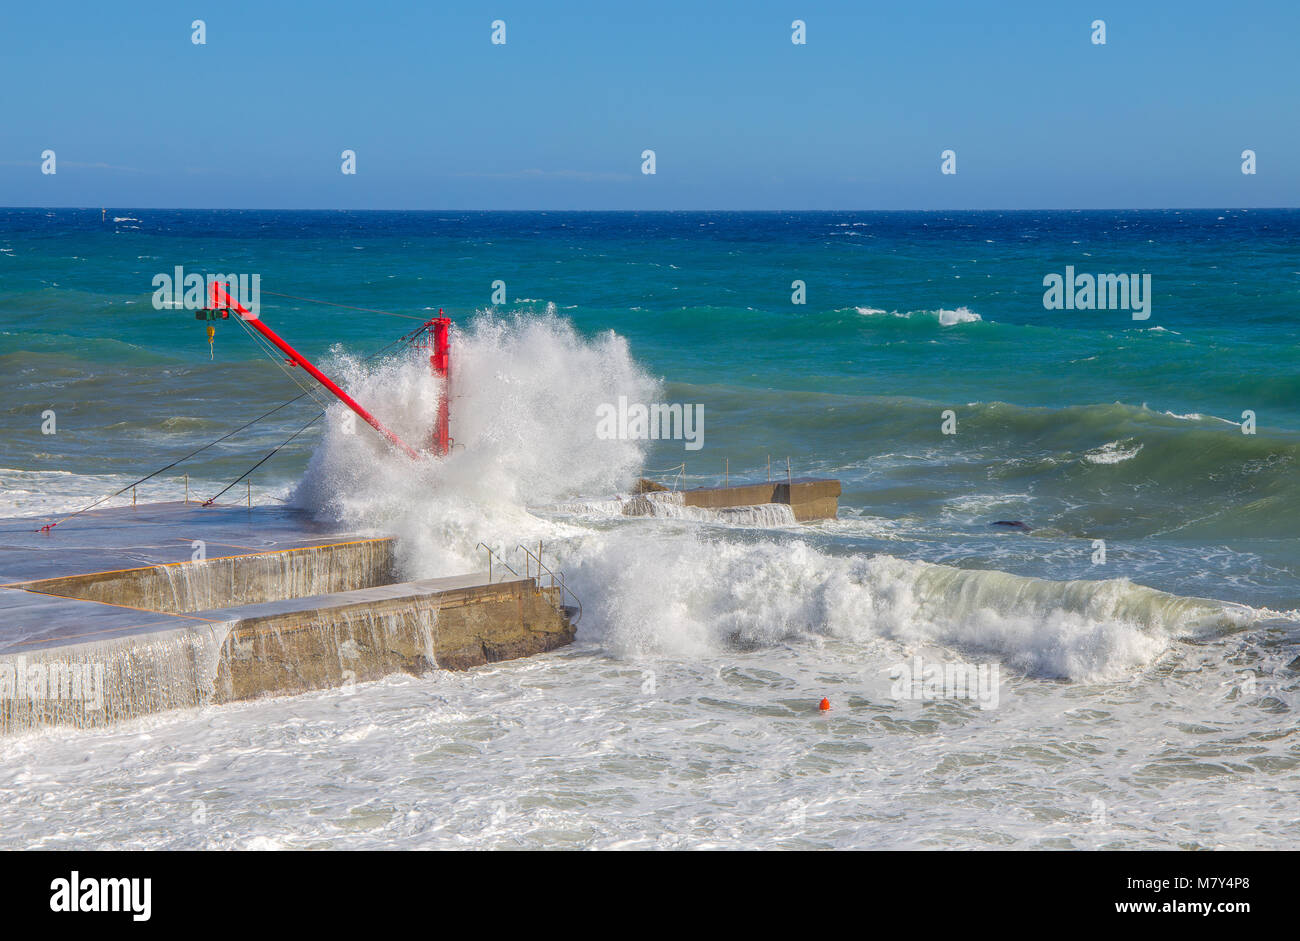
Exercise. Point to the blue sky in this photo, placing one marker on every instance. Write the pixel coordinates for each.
(738, 116)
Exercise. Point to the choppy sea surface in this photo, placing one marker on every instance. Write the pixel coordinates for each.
(1142, 624)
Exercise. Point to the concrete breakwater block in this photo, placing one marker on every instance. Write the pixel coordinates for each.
(275, 605)
(809, 498)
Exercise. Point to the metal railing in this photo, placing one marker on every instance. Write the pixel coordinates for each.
(532, 560)
(542, 569)
(675, 475)
(678, 472)
(492, 556)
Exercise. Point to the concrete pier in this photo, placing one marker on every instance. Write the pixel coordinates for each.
(809, 498)
(127, 611)
(124, 612)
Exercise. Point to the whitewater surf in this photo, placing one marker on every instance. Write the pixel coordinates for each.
(1130, 686)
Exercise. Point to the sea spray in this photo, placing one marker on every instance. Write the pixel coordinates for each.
(689, 594)
(525, 390)
(524, 394)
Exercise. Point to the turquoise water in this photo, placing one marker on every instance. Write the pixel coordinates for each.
(1082, 424)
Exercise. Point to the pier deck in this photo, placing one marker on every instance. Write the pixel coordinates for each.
(176, 604)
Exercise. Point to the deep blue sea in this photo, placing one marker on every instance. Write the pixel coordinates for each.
(1152, 463)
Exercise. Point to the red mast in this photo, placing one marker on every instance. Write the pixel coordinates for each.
(440, 361)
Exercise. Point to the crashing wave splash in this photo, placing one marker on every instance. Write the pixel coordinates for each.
(526, 394)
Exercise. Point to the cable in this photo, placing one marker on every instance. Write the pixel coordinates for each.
(367, 310)
(265, 346)
(406, 339)
(269, 455)
(46, 528)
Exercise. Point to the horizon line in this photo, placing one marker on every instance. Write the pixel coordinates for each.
(684, 210)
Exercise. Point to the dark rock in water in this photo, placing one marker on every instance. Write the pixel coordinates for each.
(1012, 524)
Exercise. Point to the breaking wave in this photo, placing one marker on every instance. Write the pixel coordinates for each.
(528, 466)
(684, 594)
(943, 317)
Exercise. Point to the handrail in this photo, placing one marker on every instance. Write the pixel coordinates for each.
(543, 567)
(492, 555)
(677, 478)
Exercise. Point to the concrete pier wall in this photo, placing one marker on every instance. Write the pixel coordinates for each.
(282, 648)
(280, 605)
(181, 587)
(449, 624)
(809, 498)
(109, 680)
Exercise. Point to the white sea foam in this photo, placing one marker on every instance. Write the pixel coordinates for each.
(960, 315)
(671, 505)
(524, 397)
(54, 493)
(1113, 452)
(1197, 416)
(944, 317)
(683, 594)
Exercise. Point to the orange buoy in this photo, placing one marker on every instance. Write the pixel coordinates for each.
(825, 705)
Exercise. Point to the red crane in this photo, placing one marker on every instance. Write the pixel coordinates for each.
(440, 361)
